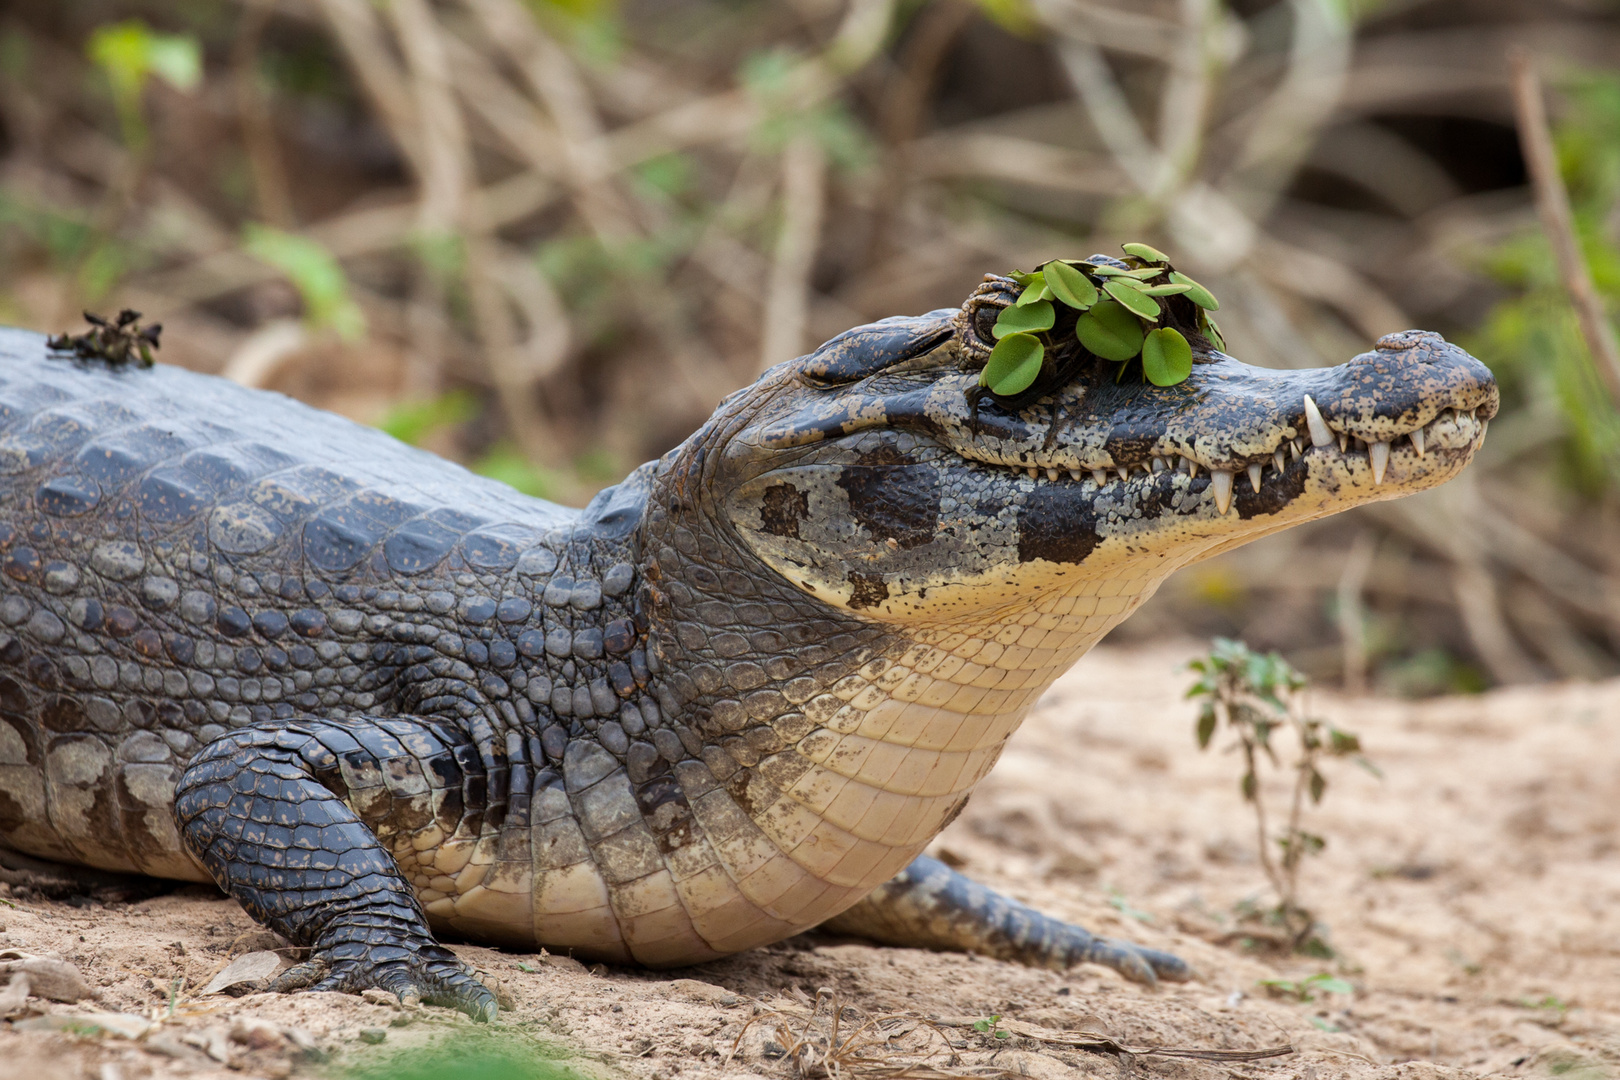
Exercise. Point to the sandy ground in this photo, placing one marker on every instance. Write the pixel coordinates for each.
(1473, 895)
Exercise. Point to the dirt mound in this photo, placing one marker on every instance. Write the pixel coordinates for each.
(1473, 895)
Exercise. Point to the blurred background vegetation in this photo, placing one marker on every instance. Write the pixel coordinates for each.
(545, 237)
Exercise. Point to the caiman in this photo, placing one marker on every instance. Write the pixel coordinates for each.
(377, 698)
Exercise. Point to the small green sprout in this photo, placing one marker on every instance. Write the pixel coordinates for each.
(1304, 991)
(315, 273)
(129, 53)
(1119, 309)
(1258, 695)
(988, 1026)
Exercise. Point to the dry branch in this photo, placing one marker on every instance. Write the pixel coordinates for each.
(1558, 222)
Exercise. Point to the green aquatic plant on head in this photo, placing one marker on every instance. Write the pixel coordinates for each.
(1119, 311)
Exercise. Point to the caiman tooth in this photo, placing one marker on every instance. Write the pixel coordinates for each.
(1074, 474)
(1031, 470)
(1479, 440)
(1320, 435)
(1051, 474)
(1124, 472)
(1293, 445)
(1158, 464)
(1344, 442)
(1378, 454)
(1099, 477)
(1417, 441)
(1220, 483)
(1190, 464)
(1254, 477)
(1278, 460)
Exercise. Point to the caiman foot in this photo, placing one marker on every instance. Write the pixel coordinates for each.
(415, 972)
(930, 906)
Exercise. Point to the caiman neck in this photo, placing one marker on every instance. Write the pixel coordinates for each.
(848, 741)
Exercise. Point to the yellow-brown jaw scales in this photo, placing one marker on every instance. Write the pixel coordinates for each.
(860, 587)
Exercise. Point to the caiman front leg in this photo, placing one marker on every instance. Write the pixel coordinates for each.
(930, 906)
(267, 812)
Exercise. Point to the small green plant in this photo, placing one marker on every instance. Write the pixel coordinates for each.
(990, 1026)
(1305, 990)
(1119, 903)
(1548, 1003)
(1257, 695)
(320, 281)
(130, 53)
(1119, 308)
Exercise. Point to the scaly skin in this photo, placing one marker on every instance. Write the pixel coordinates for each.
(377, 698)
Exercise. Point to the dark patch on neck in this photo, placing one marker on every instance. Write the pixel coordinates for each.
(894, 498)
(870, 590)
(1057, 523)
(781, 509)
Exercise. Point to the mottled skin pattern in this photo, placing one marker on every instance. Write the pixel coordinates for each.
(377, 698)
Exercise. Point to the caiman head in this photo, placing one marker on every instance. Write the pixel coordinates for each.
(876, 475)
(862, 572)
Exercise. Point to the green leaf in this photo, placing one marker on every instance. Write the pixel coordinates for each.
(1070, 285)
(1013, 365)
(415, 421)
(1145, 253)
(316, 275)
(1166, 290)
(1035, 293)
(1144, 306)
(1110, 331)
(129, 53)
(1140, 274)
(1206, 725)
(1024, 319)
(1198, 294)
(1343, 742)
(1329, 984)
(1024, 279)
(1210, 330)
(1318, 786)
(1166, 357)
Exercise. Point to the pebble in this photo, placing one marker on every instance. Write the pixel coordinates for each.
(373, 1036)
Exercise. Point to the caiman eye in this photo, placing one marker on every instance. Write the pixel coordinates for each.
(984, 322)
(867, 350)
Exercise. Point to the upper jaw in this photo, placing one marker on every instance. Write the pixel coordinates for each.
(1415, 393)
